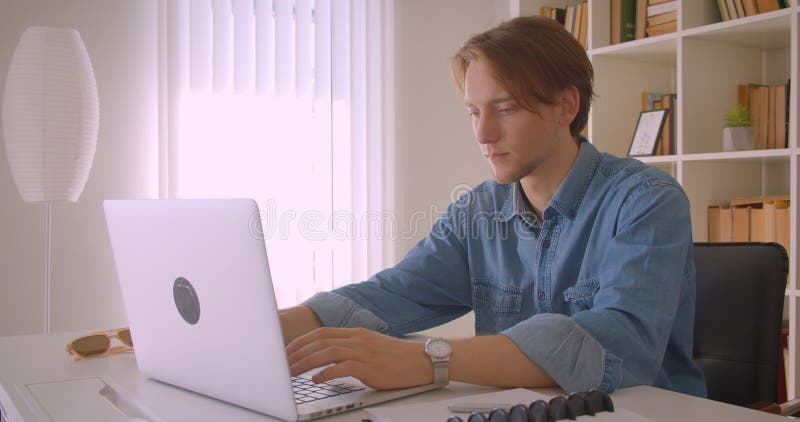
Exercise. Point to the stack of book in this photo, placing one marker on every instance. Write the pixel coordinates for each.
(733, 9)
(762, 219)
(658, 101)
(576, 20)
(554, 13)
(769, 113)
(661, 17)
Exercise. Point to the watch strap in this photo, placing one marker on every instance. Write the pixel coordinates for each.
(441, 372)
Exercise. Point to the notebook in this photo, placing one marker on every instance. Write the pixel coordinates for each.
(198, 293)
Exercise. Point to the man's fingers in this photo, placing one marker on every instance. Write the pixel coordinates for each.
(340, 370)
(319, 334)
(325, 356)
(318, 346)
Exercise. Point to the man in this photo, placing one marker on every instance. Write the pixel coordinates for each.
(578, 265)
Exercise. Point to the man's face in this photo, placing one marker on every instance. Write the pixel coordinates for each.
(514, 140)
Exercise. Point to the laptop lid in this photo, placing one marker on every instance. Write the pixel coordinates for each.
(197, 290)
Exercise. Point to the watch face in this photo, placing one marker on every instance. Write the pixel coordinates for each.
(438, 348)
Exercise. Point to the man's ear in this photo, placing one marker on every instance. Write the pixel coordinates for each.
(569, 101)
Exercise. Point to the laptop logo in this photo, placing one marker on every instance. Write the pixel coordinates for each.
(186, 300)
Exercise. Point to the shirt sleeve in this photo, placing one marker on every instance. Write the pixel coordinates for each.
(621, 340)
(429, 287)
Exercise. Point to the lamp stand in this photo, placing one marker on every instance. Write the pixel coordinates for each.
(47, 240)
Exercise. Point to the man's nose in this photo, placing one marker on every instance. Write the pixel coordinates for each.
(486, 129)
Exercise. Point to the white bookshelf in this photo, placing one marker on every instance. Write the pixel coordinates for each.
(702, 63)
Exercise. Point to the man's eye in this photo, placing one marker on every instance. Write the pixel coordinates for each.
(507, 110)
(472, 114)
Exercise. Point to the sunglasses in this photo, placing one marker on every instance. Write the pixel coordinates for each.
(99, 344)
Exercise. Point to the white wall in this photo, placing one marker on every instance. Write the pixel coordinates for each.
(121, 38)
(436, 152)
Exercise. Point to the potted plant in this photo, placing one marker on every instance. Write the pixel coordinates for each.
(737, 135)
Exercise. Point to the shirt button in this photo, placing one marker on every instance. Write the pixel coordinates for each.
(546, 243)
(540, 295)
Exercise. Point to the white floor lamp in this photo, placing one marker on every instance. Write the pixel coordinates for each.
(50, 121)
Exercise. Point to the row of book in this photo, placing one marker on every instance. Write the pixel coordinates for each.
(658, 101)
(769, 113)
(734, 9)
(637, 19)
(574, 17)
(762, 219)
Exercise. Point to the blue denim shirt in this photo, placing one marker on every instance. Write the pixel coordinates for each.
(600, 293)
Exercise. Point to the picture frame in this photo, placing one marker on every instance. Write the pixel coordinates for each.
(648, 132)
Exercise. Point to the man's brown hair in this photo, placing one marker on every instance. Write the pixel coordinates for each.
(534, 58)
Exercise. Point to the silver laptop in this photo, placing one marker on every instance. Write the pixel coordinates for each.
(198, 294)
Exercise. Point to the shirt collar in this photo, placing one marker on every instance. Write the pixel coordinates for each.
(569, 195)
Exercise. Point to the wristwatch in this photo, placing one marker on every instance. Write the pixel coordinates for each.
(439, 351)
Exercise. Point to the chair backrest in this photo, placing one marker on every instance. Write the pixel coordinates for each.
(739, 310)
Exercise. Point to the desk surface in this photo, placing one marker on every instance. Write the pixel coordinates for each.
(41, 358)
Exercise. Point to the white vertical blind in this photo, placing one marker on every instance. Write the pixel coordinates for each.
(265, 47)
(280, 101)
(244, 47)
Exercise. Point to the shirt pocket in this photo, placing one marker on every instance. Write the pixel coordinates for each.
(581, 295)
(497, 306)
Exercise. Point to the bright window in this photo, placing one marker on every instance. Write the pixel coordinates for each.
(281, 101)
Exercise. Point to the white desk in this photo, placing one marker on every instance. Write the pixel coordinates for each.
(41, 358)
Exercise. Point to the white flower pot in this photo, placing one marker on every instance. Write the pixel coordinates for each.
(737, 138)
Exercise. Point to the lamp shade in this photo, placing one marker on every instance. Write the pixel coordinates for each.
(50, 115)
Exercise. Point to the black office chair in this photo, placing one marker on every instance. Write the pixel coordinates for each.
(739, 310)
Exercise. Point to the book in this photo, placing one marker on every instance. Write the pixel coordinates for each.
(662, 18)
(754, 100)
(760, 200)
(657, 9)
(741, 224)
(583, 35)
(726, 224)
(786, 119)
(770, 117)
(657, 105)
(616, 21)
(569, 19)
(757, 228)
(660, 29)
(764, 116)
(623, 21)
(731, 9)
(782, 225)
(576, 30)
(720, 223)
(648, 98)
(739, 8)
(666, 132)
(780, 117)
(652, 2)
(750, 7)
(742, 96)
(641, 18)
(554, 13)
(723, 10)
(767, 5)
(713, 223)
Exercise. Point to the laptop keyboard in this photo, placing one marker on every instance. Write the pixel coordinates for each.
(306, 391)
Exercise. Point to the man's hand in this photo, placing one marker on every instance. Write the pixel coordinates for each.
(297, 321)
(379, 361)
